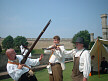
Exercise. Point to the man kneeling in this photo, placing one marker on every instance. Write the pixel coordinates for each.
(21, 72)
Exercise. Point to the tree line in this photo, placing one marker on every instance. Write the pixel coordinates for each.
(10, 42)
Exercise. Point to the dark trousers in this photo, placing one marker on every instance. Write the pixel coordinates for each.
(103, 71)
(25, 77)
(57, 73)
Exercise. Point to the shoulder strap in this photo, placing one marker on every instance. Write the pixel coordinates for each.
(51, 55)
(18, 64)
(82, 52)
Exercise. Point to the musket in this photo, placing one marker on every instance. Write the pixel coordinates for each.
(53, 47)
(25, 57)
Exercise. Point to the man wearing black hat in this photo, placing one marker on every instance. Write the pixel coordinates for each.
(82, 60)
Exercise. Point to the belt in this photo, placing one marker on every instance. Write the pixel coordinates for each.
(52, 64)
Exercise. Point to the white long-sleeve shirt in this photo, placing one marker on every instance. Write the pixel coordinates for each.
(56, 57)
(84, 62)
(16, 73)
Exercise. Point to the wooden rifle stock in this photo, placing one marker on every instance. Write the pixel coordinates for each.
(25, 57)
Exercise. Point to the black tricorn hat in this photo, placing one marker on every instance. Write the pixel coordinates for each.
(80, 40)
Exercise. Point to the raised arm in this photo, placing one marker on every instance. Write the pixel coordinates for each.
(67, 54)
(48, 51)
(21, 48)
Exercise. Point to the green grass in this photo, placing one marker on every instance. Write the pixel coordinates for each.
(37, 51)
(43, 75)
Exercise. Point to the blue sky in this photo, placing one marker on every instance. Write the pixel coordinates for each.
(28, 17)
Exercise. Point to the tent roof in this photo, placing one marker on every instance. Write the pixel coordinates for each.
(99, 50)
(103, 41)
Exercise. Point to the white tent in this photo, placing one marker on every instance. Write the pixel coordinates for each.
(99, 50)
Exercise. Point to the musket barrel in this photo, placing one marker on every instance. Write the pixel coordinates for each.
(25, 57)
(53, 47)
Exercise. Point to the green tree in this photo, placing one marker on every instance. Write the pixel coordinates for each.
(20, 40)
(7, 42)
(85, 34)
(99, 37)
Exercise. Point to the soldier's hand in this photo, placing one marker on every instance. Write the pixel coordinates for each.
(57, 48)
(20, 66)
(41, 56)
(52, 50)
(84, 79)
(53, 46)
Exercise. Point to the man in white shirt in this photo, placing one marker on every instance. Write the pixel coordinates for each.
(56, 61)
(82, 60)
(21, 72)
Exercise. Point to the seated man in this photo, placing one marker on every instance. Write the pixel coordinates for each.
(92, 65)
(104, 65)
(21, 72)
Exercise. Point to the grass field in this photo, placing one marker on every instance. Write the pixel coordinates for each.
(43, 75)
(37, 51)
